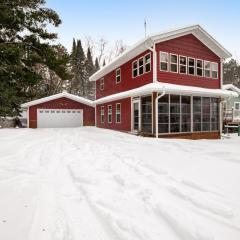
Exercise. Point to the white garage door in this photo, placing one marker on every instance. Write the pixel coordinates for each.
(58, 118)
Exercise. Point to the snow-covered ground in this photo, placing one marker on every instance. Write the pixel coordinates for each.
(95, 184)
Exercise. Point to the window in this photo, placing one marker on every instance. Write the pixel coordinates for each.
(140, 66)
(135, 69)
(214, 114)
(174, 113)
(197, 114)
(207, 68)
(118, 75)
(237, 105)
(148, 63)
(163, 61)
(191, 66)
(102, 114)
(206, 119)
(174, 63)
(101, 83)
(182, 64)
(214, 70)
(146, 114)
(109, 113)
(185, 114)
(163, 114)
(118, 113)
(199, 67)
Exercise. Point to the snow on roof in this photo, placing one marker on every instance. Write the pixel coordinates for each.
(169, 89)
(231, 87)
(148, 41)
(59, 95)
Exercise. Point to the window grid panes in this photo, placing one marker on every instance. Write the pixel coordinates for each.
(146, 114)
(118, 113)
(174, 63)
(163, 61)
(148, 63)
(191, 66)
(199, 68)
(182, 64)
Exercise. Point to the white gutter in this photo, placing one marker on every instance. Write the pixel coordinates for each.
(156, 111)
(153, 50)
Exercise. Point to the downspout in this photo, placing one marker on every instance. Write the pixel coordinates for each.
(153, 50)
(156, 111)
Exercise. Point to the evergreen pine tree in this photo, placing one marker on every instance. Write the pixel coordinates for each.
(96, 65)
(90, 69)
(104, 63)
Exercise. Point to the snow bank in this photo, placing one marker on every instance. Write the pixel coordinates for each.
(89, 183)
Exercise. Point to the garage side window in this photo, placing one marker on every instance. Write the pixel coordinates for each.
(118, 113)
(102, 114)
(109, 113)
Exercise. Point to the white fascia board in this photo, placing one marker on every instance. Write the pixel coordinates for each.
(59, 95)
(169, 89)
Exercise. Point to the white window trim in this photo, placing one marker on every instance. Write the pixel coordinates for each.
(102, 84)
(235, 103)
(118, 75)
(118, 112)
(208, 69)
(214, 71)
(192, 66)
(164, 62)
(145, 62)
(143, 58)
(199, 67)
(183, 64)
(134, 68)
(170, 62)
(102, 114)
(109, 113)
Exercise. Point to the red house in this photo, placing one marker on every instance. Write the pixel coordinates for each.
(167, 85)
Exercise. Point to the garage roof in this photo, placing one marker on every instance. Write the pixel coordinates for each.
(148, 41)
(59, 95)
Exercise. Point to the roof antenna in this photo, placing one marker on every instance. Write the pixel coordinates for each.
(145, 26)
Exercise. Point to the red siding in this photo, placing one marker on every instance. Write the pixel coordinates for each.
(188, 46)
(63, 103)
(127, 81)
(125, 124)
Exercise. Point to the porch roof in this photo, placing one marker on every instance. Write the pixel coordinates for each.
(169, 89)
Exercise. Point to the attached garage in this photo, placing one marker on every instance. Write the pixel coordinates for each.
(60, 110)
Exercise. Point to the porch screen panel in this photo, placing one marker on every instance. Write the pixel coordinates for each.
(185, 114)
(147, 114)
(163, 114)
(197, 114)
(174, 113)
(206, 120)
(214, 114)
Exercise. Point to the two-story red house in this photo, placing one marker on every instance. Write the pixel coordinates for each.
(168, 84)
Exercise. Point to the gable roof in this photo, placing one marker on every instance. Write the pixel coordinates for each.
(148, 41)
(232, 88)
(59, 95)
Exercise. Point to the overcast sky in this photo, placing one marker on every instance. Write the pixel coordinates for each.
(124, 19)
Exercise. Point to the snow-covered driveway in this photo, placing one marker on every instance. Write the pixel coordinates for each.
(89, 184)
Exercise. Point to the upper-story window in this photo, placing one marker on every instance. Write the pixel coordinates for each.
(163, 61)
(182, 64)
(191, 66)
(109, 113)
(207, 69)
(173, 63)
(214, 70)
(148, 63)
(140, 66)
(118, 75)
(102, 114)
(135, 69)
(199, 67)
(101, 83)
